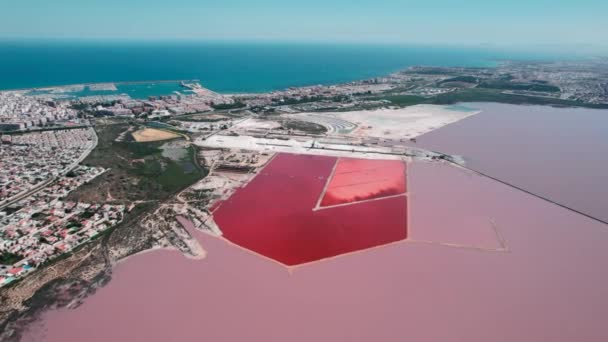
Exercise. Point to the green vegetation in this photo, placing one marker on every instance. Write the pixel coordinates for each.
(481, 95)
(150, 164)
(505, 85)
(506, 77)
(491, 95)
(138, 171)
(466, 79)
(141, 149)
(305, 126)
(87, 214)
(74, 224)
(198, 195)
(179, 175)
(224, 106)
(162, 173)
(8, 258)
(201, 118)
(38, 215)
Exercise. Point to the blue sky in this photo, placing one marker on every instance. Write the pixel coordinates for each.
(505, 22)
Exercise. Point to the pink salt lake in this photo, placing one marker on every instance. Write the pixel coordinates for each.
(550, 285)
(483, 262)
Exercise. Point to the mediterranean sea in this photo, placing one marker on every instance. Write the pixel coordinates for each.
(226, 67)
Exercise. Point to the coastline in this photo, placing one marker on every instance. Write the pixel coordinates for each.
(96, 83)
(259, 66)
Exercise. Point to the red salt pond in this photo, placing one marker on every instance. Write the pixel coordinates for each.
(273, 214)
(362, 179)
(560, 153)
(549, 285)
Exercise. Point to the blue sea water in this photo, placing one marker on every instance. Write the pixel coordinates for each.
(221, 66)
(133, 90)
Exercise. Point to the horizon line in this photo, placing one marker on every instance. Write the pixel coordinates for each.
(304, 41)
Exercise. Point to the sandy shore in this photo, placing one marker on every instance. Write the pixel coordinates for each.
(151, 134)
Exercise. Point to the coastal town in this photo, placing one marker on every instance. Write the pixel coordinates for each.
(193, 99)
(558, 83)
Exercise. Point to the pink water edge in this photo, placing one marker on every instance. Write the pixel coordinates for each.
(559, 153)
(549, 284)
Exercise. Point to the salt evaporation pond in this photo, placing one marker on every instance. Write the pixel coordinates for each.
(451, 282)
(560, 153)
(356, 180)
(276, 214)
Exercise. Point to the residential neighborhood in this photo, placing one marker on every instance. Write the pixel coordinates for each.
(31, 159)
(44, 225)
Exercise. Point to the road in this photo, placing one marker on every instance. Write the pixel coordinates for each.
(42, 185)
